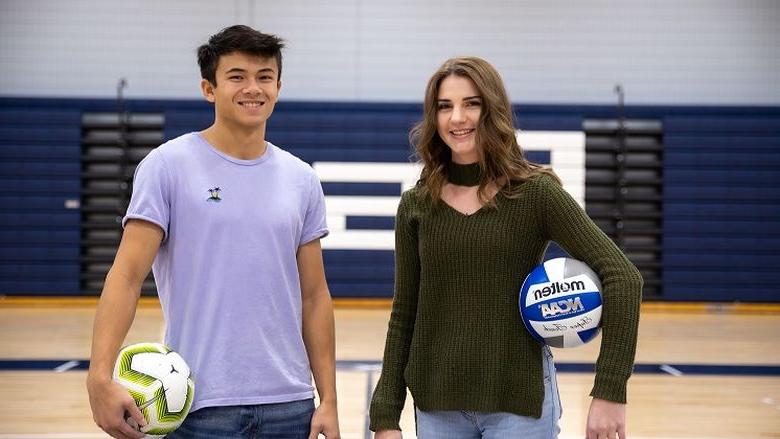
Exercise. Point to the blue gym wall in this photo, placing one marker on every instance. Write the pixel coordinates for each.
(721, 237)
(40, 168)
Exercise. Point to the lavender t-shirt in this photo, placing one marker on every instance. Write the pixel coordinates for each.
(226, 270)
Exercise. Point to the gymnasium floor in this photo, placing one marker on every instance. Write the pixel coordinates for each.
(703, 371)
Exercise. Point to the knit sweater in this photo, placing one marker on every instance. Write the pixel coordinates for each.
(456, 338)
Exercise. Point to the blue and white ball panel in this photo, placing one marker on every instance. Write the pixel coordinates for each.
(559, 303)
(568, 332)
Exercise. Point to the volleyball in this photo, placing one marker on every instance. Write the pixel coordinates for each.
(560, 303)
(159, 381)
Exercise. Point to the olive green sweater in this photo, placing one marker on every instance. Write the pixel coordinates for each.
(456, 338)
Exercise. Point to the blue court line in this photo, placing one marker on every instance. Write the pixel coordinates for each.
(354, 365)
(684, 369)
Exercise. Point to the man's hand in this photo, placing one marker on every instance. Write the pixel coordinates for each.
(111, 404)
(606, 420)
(326, 421)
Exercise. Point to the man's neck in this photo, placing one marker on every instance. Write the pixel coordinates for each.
(237, 142)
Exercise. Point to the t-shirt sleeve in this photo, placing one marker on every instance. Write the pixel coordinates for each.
(314, 223)
(150, 200)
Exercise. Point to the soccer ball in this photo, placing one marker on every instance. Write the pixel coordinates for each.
(560, 303)
(159, 381)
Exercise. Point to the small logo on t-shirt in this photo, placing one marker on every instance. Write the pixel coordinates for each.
(214, 195)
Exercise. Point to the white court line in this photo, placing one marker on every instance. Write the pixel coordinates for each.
(64, 367)
(671, 370)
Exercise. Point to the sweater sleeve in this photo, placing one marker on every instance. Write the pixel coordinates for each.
(390, 393)
(567, 224)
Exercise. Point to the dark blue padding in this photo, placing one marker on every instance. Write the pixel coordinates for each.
(719, 193)
(723, 260)
(339, 121)
(22, 220)
(344, 139)
(361, 290)
(33, 202)
(50, 186)
(735, 158)
(45, 236)
(35, 169)
(525, 119)
(381, 257)
(34, 287)
(759, 245)
(744, 277)
(17, 255)
(370, 223)
(40, 154)
(707, 174)
(721, 231)
(42, 271)
(41, 134)
(38, 118)
(353, 189)
(51, 153)
(746, 227)
(324, 154)
(708, 142)
(721, 211)
(360, 273)
(754, 126)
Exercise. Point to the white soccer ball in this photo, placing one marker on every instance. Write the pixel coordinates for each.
(159, 381)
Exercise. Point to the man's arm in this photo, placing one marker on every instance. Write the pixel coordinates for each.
(115, 313)
(319, 337)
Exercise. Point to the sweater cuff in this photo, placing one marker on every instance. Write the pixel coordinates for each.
(384, 417)
(610, 387)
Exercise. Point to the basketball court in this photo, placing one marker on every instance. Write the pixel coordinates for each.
(703, 371)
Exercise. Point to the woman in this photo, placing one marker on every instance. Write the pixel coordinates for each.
(478, 221)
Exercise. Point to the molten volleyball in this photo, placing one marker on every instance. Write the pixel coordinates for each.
(560, 303)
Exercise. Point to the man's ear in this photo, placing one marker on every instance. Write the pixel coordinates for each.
(207, 88)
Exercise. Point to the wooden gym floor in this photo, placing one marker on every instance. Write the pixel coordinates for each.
(703, 371)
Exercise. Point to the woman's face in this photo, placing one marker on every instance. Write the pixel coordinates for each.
(459, 106)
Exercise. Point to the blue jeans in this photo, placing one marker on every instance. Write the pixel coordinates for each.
(287, 420)
(486, 425)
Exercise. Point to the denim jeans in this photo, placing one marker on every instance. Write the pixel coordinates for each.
(486, 425)
(287, 420)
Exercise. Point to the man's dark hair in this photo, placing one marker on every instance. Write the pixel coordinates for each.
(238, 38)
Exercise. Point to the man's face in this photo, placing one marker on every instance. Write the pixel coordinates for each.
(246, 91)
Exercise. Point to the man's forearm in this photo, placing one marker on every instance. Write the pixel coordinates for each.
(319, 338)
(114, 316)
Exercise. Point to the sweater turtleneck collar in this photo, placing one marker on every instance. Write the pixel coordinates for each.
(464, 175)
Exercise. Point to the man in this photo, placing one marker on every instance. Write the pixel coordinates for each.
(231, 226)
